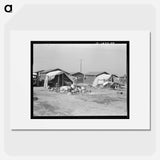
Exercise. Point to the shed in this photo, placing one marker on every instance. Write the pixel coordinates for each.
(79, 77)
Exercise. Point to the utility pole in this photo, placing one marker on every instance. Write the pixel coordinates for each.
(81, 65)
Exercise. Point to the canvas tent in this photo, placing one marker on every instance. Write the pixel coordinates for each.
(59, 78)
(42, 75)
(101, 79)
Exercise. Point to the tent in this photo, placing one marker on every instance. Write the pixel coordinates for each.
(59, 78)
(101, 79)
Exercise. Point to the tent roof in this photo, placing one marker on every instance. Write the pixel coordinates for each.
(103, 76)
(51, 70)
(95, 73)
(52, 75)
(113, 75)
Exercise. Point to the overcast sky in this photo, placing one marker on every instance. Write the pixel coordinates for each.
(95, 57)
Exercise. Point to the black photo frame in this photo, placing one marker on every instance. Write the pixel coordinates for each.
(80, 42)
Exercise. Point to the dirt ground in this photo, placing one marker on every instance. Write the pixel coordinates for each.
(97, 103)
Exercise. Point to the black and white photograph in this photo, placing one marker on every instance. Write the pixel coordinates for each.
(79, 79)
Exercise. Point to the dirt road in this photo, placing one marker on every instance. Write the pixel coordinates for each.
(97, 103)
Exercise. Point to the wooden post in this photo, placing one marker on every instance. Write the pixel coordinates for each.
(58, 79)
(62, 80)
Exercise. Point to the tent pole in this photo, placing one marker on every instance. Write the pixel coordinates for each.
(58, 79)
